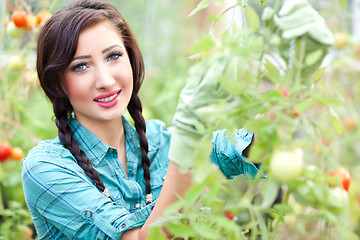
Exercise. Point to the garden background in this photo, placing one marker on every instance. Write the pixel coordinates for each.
(320, 117)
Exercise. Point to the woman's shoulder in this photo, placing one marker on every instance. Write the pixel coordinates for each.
(47, 151)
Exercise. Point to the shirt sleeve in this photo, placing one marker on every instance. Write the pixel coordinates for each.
(228, 155)
(57, 191)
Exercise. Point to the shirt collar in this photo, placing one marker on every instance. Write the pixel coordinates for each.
(93, 147)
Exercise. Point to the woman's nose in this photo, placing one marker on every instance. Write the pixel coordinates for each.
(104, 78)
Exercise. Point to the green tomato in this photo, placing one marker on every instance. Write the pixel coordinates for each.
(337, 198)
(13, 31)
(16, 63)
(286, 165)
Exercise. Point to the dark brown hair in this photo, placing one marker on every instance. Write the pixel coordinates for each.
(57, 45)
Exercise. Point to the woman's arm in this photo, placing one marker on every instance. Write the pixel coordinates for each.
(176, 183)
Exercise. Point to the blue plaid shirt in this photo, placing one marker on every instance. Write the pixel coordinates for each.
(65, 204)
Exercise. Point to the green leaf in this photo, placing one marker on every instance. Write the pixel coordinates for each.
(156, 233)
(336, 122)
(313, 57)
(253, 19)
(193, 194)
(202, 4)
(326, 99)
(207, 231)
(318, 74)
(273, 72)
(232, 86)
(305, 105)
(205, 44)
(181, 230)
(269, 190)
(300, 227)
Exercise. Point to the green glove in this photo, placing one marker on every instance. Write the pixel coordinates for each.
(202, 89)
(298, 19)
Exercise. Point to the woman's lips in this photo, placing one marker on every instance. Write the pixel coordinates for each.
(108, 100)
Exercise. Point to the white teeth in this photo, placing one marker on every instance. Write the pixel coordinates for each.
(108, 99)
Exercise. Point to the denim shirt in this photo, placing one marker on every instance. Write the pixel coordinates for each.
(64, 202)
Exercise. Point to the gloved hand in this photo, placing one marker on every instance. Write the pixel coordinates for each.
(297, 18)
(202, 89)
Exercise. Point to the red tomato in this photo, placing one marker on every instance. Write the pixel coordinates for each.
(19, 17)
(5, 150)
(344, 176)
(228, 215)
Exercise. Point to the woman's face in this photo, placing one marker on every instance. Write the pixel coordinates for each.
(99, 80)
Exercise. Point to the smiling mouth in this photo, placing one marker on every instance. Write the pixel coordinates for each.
(107, 99)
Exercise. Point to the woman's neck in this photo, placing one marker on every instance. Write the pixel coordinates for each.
(109, 132)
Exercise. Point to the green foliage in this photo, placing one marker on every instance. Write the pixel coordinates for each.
(273, 97)
(269, 96)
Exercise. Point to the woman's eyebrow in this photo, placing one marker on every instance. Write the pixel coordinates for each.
(103, 51)
(109, 48)
(82, 57)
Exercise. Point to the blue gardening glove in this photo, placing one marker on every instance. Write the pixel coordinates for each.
(202, 89)
(298, 19)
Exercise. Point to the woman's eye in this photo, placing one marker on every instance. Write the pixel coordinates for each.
(114, 56)
(79, 67)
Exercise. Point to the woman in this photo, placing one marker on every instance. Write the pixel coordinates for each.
(101, 178)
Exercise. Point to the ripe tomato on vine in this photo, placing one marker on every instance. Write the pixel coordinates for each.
(5, 150)
(344, 176)
(19, 17)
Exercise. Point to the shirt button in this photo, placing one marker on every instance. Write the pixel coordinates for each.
(123, 225)
(137, 205)
(137, 152)
(88, 214)
(131, 173)
(164, 177)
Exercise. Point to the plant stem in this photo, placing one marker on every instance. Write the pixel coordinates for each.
(1, 199)
(211, 32)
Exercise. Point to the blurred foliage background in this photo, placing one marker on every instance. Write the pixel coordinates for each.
(164, 32)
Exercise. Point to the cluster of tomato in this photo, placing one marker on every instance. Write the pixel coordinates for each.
(9, 152)
(20, 21)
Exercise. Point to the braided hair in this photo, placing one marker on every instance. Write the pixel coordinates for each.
(57, 45)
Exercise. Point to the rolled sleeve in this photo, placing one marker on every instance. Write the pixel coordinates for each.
(228, 156)
(60, 196)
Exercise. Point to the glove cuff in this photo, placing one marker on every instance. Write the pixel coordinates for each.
(183, 147)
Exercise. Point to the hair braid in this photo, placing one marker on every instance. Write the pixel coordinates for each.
(65, 136)
(135, 110)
